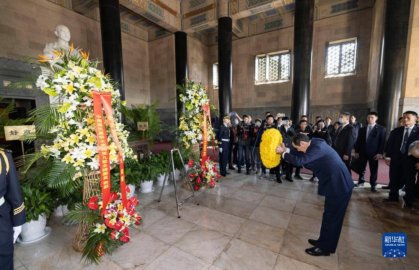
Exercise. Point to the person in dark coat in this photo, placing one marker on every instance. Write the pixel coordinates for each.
(244, 142)
(345, 139)
(12, 209)
(369, 147)
(256, 145)
(396, 156)
(224, 147)
(303, 128)
(356, 125)
(334, 131)
(320, 131)
(287, 133)
(335, 183)
(328, 124)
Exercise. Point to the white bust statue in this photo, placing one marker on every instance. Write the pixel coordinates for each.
(63, 34)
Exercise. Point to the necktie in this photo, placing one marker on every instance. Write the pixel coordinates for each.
(368, 131)
(403, 148)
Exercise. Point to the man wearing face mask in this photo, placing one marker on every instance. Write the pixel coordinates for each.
(244, 133)
(345, 139)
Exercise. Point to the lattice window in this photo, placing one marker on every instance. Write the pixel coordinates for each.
(215, 75)
(341, 58)
(273, 67)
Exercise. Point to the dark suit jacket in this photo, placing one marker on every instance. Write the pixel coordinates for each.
(287, 135)
(395, 139)
(334, 177)
(345, 140)
(375, 143)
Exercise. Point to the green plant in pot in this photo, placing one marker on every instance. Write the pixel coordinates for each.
(148, 173)
(39, 204)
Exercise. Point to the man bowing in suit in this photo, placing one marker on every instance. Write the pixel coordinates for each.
(335, 183)
(369, 147)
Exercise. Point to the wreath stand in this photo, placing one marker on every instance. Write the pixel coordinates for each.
(179, 203)
(91, 187)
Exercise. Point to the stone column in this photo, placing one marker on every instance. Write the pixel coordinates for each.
(110, 26)
(410, 93)
(394, 54)
(224, 64)
(303, 36)
(181, 63)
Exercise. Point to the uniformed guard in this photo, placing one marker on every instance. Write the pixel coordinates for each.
(12, 209)
(224, 142)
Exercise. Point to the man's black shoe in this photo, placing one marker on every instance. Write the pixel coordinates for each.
(279, 180)
(247, 172)
(385, 187)
(231, 167)
(315, 251)
(373, 190)
(289, 179)
(224, 175)
(313, 242)
(297, 176)
(239, 171)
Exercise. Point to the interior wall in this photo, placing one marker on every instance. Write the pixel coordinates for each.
(27, 25)
(328, 95)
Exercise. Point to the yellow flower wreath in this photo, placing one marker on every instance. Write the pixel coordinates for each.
(271, 138)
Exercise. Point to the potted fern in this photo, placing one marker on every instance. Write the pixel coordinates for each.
(132, 174)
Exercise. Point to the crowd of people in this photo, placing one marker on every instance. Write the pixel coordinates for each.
(356, 144)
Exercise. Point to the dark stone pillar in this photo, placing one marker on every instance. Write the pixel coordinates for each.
(394, 54)
(110, 26)
(181, 62)
(303, 36)
(224, 64)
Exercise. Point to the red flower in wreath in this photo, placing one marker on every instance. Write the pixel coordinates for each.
(198, 180)
(190, 163)
(125, 236)
(109, 224)
(137, 220)
(114, 234)
(93, 203)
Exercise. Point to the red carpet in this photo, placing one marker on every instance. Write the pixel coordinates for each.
(382, 178)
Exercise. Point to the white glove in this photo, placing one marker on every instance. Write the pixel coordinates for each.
(16, 232)
(221, 150)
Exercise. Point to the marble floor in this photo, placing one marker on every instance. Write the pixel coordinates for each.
(243, 223)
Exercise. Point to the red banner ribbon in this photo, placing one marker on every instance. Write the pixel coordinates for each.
(103, 101)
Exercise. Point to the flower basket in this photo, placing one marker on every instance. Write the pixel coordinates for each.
(91, 188)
